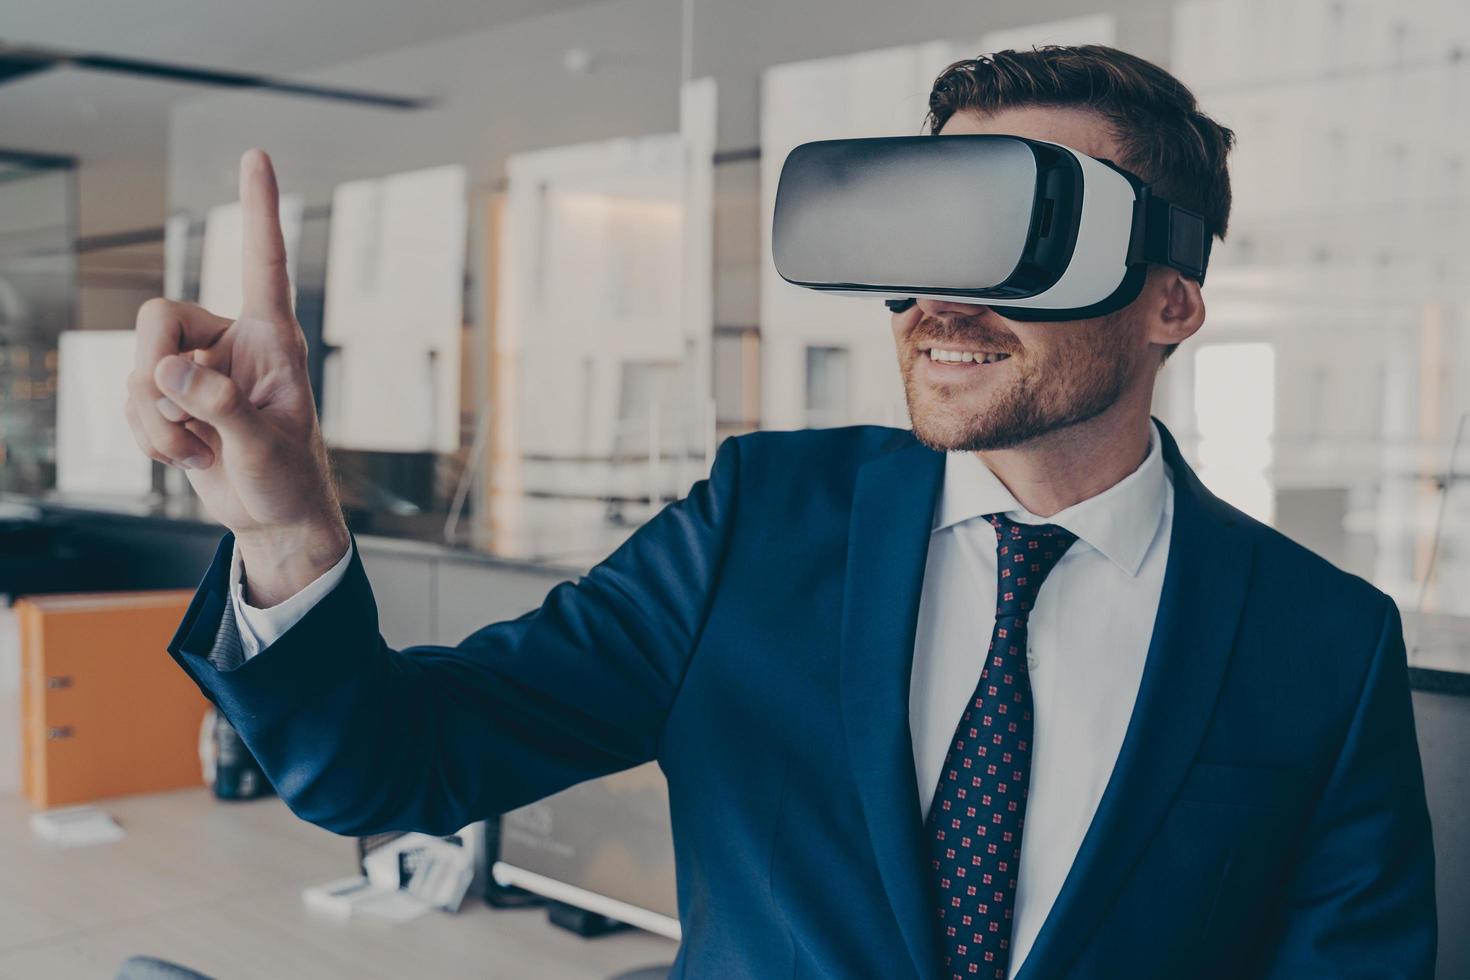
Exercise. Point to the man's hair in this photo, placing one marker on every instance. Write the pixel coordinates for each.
(1164, 137)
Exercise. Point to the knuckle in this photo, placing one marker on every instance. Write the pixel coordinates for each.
(174, 444)
(222, 399)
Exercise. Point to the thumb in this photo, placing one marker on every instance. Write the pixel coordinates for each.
(207, 395)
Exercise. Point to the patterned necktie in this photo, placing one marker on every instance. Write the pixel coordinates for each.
(228, 652)
(974, 825)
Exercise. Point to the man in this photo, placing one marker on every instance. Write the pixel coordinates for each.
(1204, 730)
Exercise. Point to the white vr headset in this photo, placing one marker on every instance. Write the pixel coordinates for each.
(1032, 229)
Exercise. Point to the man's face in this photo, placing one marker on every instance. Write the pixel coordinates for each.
(1026, 379)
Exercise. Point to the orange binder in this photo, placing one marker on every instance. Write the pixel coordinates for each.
(104, 709)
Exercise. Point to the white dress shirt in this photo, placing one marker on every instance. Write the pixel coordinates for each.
(1089, 637)
(259, 628)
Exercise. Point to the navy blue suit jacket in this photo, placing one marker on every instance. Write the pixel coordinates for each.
(1266, 816)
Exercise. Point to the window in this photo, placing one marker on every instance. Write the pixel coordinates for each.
(828, 399)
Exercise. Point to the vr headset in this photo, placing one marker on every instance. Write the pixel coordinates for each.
(1032, 229)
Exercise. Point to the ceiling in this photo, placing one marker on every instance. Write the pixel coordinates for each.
(118, 125)
(273, 36)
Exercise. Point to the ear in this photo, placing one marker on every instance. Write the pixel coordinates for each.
(1176, 306)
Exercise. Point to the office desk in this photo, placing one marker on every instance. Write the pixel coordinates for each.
(216, 886)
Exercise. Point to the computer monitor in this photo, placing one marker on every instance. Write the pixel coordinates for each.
(605, 846)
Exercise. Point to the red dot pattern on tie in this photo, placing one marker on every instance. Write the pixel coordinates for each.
(979, 808)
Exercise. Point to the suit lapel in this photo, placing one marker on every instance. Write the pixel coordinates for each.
(888, 543)
(1199, 608)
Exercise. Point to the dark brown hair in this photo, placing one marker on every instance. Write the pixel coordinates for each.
(1164, 137)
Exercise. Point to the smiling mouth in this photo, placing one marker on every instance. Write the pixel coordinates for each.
(946, 356)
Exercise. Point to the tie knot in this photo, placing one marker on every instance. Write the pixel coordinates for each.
(1025, 556)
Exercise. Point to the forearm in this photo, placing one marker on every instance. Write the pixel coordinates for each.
(358, 737)
(343, 744)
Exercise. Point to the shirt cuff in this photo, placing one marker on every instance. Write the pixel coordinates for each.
(259, 628)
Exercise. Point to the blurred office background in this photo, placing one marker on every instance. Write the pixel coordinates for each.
(529, 245)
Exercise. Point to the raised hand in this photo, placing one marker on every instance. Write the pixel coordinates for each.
(230, 403)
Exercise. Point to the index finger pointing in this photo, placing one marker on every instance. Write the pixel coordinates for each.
(266, 289)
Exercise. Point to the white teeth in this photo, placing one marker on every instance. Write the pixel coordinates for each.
(962, 357)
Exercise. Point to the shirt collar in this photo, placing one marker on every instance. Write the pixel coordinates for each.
(1120, 522)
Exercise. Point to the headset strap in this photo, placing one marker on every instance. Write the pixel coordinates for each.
(1171, 235)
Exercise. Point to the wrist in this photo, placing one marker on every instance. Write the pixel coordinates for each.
(279, 562)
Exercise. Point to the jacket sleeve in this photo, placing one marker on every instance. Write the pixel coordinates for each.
(1360, 898)
(361, 738)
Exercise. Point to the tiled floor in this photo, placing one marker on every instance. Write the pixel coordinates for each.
(216, 886)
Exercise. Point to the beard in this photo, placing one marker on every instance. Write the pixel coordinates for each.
(1077, 377)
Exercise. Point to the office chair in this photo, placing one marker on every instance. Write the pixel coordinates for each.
(150, 968)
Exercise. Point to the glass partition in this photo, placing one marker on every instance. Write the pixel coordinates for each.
(605, 306)
(38, 290)
(1339, 305)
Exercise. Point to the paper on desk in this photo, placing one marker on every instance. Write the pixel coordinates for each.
(390, 905)
(359, 897)
(429, 868)
(76, 826)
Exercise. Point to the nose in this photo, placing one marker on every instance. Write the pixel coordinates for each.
(934, 307)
